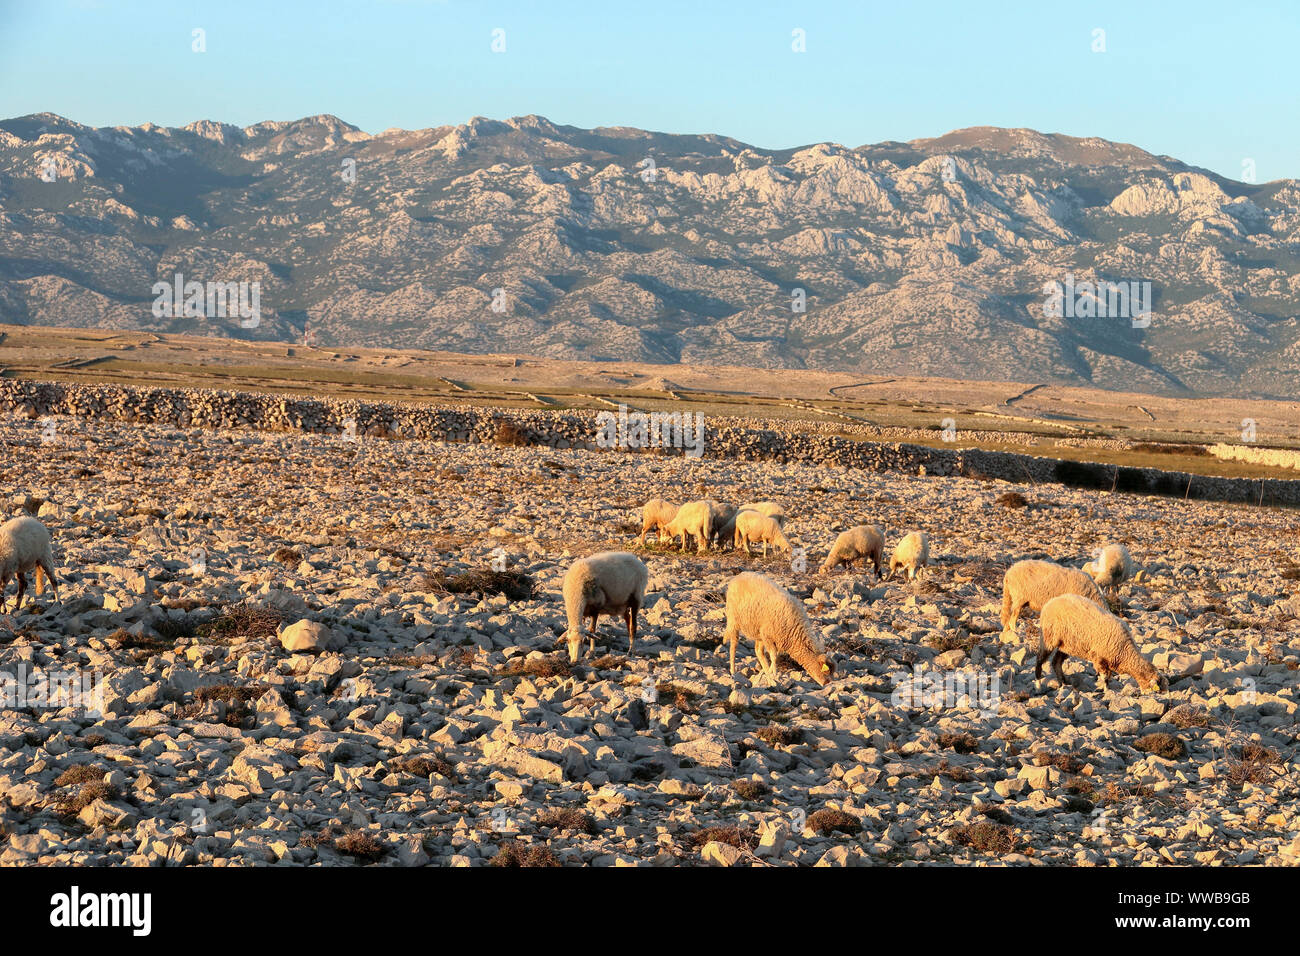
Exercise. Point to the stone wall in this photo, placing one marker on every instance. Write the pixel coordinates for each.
(724, 437)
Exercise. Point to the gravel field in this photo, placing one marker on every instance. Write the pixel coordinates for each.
(414, 725)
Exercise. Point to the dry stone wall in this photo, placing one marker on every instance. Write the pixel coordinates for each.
(724, 437)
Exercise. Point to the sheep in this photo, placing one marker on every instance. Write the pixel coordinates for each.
(694, 520)
(1034, 583)
(754, 527)
(1111, 567)
(912, 553)
(768, 614)
(722, 519)
(857, 544)
(768, 508)
(610, 582)
(25, 544)
(656, 515)
(1073, 626)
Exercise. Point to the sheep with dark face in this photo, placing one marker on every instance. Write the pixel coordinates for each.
(25, 545)
(611, 582)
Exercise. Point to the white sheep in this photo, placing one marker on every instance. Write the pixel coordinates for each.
(693, 520)
(1111, 568)
(1073, 626)
(752, 527)
(777, 623)
(611, 582)
(768, 508)
(912, 554)
(24, 545)
(656, 515)
(857, 544)
(1033, 583)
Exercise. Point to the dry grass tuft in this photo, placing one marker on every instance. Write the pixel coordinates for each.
(833, 821)
(568, 819)
(732, 836)
(424, 765)
(515, 585)
(360, 844)
(535, 667)
(1162, 745)
(984, 836)
(778, 736)
(522, 854)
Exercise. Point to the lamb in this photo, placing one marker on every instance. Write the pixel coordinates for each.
(857, 544)
(768, 614)
(1112, 566)
(912, 553)
(1033, 583)
(754, 527)
(25, 544)
(1074, 626)
(611, 582)
(695, 520)
(656, 515)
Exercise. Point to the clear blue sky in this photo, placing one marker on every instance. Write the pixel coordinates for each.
(1211, 83)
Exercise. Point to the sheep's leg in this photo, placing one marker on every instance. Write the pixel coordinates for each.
(22, 589)
(1043, 654)
(1103, 675)
(730, 635)
(591, 641)
(629, 615)
(1057, 660)
(49, 576)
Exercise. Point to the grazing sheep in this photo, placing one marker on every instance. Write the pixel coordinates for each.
(656, 515)
(754, 527)
(722, 522)
(768, 508)
(24, 545)
(857, 544)
(1111, 568)
(912, 553)
(1074, 626)
(611, 582)
(777, 623)
(1033, 583)
(693, 520)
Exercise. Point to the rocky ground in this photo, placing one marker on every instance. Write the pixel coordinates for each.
(413, 725)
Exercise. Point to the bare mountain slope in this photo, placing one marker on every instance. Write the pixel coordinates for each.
(923, 258)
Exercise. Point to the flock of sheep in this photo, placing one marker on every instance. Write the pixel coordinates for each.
(1075, 620)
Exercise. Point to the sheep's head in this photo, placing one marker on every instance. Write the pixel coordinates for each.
(1148, 678)
(574, 636)
(821, 669)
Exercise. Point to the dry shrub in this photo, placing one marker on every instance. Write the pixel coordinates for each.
(778, 736)
(522, 854)
(1251, 764)
(1186, 716)
(984, 836)
(1162, 745)
(72, 804)
(569, 819)
(535, 667)
(1012, 499)
(79, 773)
(963, 743)
(242, 622)
(288, 557)
(424, 765)
(833, 821)
(515, 585)
(751, 789)
(360, 844)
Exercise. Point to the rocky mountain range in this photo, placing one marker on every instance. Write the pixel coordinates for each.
(932, 257)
